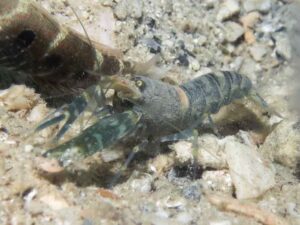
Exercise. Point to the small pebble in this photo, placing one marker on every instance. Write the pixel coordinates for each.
(237, 63)
(28, 148)
(283, 144)
(283, 47)
(150, 22)
(195, 65)
(233, 31)
(183, 150)
(184, 218)
(249, 20)
(218, 180)
(121, 10)
(192, 192)
(200, 40)
(183, 59)
(249, 36)
(18, 97)
(106, 193)
(37, 113)
(161, 163)
(210, 152)
(242, 159)
(54, 202)
(3, 136)
(48, 165)
(154, 45)
(228, 9)
(258, 51)
(110, 155)
(34, 208)
(174, 202)
(250, 68)
(142, 184)
(30, 195)
(259, 5)
(210, 3)
(135, 7)
(293, 209)
(107, 3)
(224, 222)
(267, 28)
(131, 8)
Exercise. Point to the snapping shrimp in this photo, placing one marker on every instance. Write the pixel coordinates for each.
(145, 108)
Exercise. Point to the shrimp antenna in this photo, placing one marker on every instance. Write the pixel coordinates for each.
(66, 2)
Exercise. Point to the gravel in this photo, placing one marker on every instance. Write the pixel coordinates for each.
(259, 5)
(233, 31)
(192, 38)
(228, 9)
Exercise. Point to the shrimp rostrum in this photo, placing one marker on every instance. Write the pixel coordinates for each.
(144, 109)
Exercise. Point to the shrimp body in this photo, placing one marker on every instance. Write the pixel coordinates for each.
(169, 109)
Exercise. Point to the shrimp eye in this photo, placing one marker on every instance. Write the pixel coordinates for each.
(139, 83)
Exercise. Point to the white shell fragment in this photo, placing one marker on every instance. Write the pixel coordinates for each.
(251, 175)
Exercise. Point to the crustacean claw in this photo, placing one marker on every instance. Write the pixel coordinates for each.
(91, 98)
(109, 127)
(72, 111)
(100, 135)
